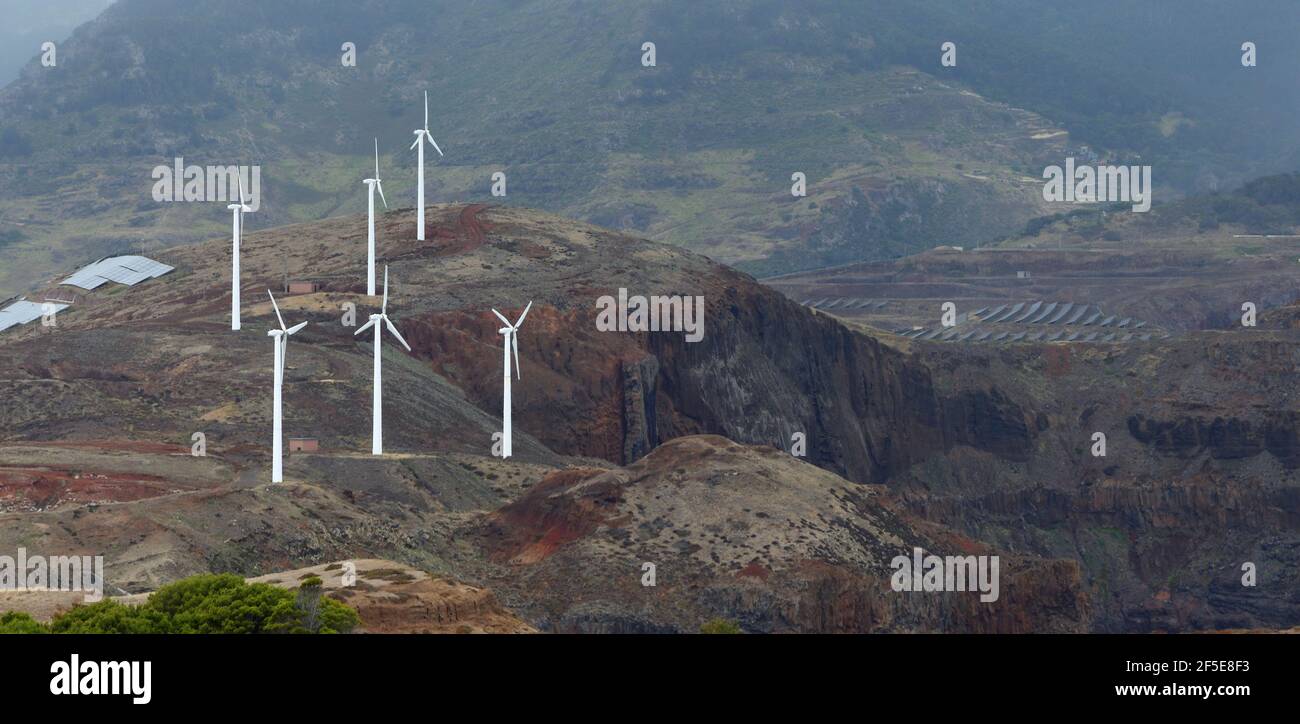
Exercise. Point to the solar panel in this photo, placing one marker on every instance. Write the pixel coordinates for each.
(981, 337)
(996, 311)
(1106, 322)
(1079, 312)
(1073, 336)
(142, 264)
(967, 336)
(1043, 315)
(1124, 322)
(1014, 310)
(950, 334)
(1061, 312)
(1001, 336)
(1096, 315)
(1108, 337)
(881, 303)
(1016, 337)
(129, 270)
(863, 303)
(1091, 336)
(1055, 336)
(1032, 308)
(86, 278)
(1035, 336)
(835, 302)
(23, 311)
(979, 311)
(933, 334)
(1139, 325)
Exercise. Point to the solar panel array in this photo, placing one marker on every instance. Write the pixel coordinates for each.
(23, 311)
(128, 270)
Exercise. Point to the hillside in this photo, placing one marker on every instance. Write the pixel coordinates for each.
(909, 443)
(900, 153)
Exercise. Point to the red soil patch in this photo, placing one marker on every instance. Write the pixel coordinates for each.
(550, 515)
(754, 570)
(468, 233)
(31, 489)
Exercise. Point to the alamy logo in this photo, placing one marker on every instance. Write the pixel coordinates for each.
(55, 573)
(1090, 185)
(99, 678)
(922, 573)
(651, 314)
(179, 182)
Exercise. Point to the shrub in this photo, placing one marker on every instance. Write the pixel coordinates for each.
(720, 626)
(15, 622)
(212, 603)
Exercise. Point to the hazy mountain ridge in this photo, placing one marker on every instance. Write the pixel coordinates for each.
(698, 150)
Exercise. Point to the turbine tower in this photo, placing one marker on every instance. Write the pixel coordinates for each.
(281, 339)
(420, 135)
(377, 412)
(238, 210)
(511, 342)
(373, 183)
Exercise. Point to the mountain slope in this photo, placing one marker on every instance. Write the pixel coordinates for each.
(900, 153)
(990, 443)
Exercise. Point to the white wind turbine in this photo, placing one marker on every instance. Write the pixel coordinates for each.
(377, 414)
(373, 183)
(511, 342)
(238, 210)
(420, 135)
(281, 338)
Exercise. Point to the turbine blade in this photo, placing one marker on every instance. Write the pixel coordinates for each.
(364, 327)
(384, 309)
(418, 139)
(396, 333)
(376, 158)
(426, 111)
(241, 189)
(284, 354)
(525, 314)
(435, 143)
(381, 193)
(294, 329)
(277, 308)
(501, 317)
(514, 342)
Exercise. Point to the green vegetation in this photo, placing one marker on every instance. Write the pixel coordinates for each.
(213, 603)
(18, 622)
(720, 626)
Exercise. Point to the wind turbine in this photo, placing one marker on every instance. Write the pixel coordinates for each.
(420, 135)
(511, 341)
(377, 434)
(373, 183)
(238, 210)
(281, 339)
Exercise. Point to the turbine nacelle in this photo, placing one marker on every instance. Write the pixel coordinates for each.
(383, 315)
(376, 181)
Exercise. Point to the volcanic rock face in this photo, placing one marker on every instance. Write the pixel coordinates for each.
(765, 369)
(751, 534)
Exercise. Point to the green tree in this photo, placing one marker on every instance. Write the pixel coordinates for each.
(18, 622)
(209, 603)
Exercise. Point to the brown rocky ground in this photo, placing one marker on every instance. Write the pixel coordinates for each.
(986, 444)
